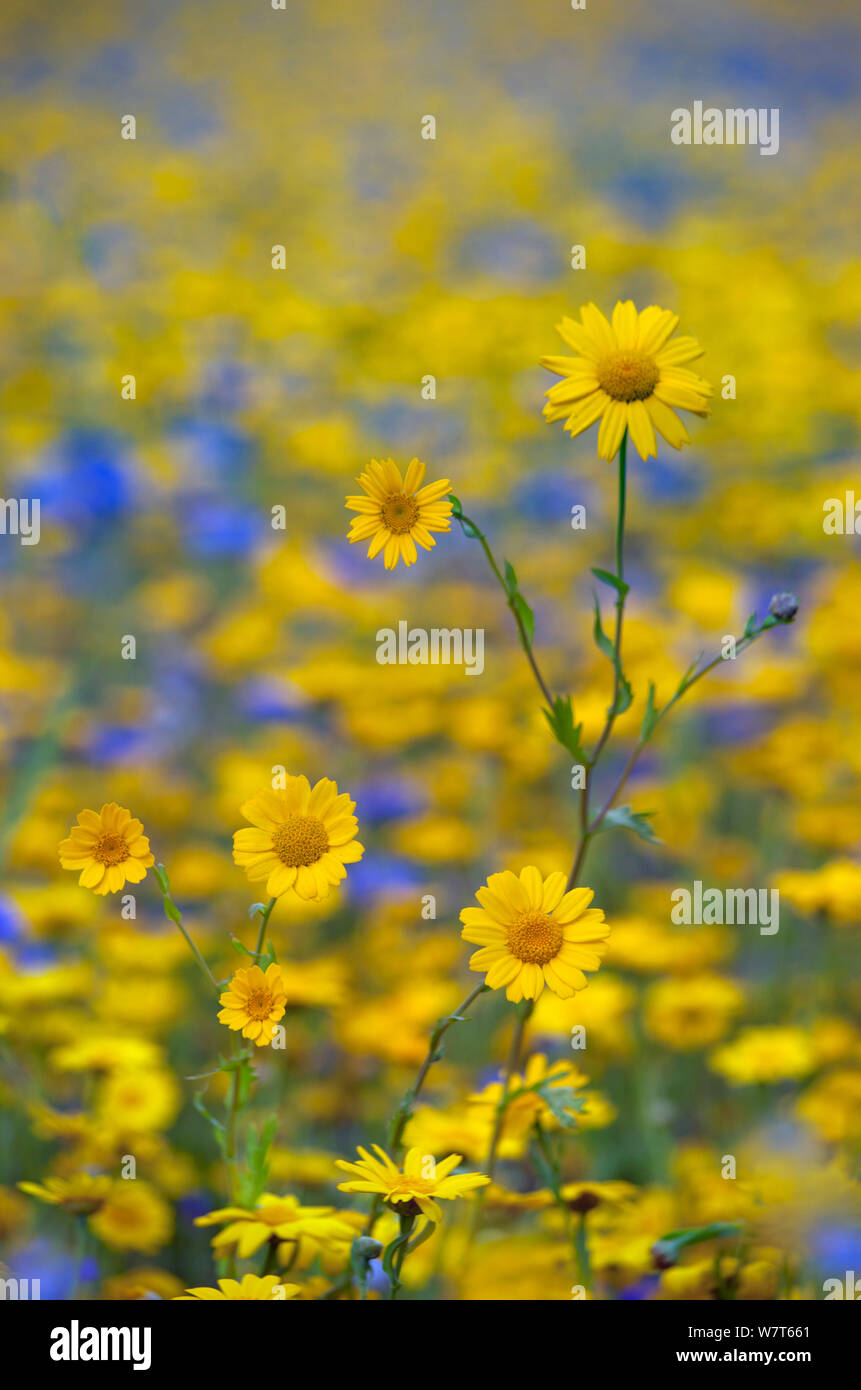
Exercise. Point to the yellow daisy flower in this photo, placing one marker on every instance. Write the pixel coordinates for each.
(254, 1002)
(279, 1218)
(301, 839)
(107, 848)
(134, 1217)
(532, 933)
(419, 1183)
(250, 1290)
(396, 512)
(629, 376)
(80, 1195)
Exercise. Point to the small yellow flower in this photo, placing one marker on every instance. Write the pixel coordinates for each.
(133, 1217)
(107, 848)
(419, 1183)
(250, 1290)
(768, 1054)
(533, 933)
(254, 1002)
(301, 840)
(80, 1195)
(396, 512)
(279, 1218)
(627, 375)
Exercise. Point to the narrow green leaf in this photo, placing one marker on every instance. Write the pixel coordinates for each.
(526, 616)
(602, 641)
(624, 818)
(613, 580)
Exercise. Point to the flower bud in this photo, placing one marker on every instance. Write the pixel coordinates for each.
(783, 607)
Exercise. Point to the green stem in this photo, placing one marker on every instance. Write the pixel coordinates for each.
(173, 914)
(401, 1116)
(525, 643)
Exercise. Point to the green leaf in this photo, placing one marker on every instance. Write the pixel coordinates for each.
(510, 579)
(258, 1145)
(563, 1103)
(526, 616)
(650, 717)
(602, 641)
(667, 1250)
(217, 1127)
(622, 817)
(749, 625)
(625, 698)
(613, 580)
(564, 730)
(456, 508)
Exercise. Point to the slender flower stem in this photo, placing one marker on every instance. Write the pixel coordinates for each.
(525, 642)
(401, 1116)
(590, 828)
(524, 1014)
(264, 923)
(173, 914)
(621, 594)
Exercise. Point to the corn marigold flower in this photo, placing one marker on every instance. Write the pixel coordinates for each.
(628, 375)
(254, 1002)
(532, 933)
(397, 512)
(301, 838)
(134, 1216)
(250, 1289)
(80, 1195)
(768, 1054)
(279, 1218)
(411, 1190)
(107, 848)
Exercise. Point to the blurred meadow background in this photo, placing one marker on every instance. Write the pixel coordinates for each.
(255, 647)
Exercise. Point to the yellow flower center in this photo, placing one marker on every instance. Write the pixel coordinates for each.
(628, 376)
(400, 513)
(300, 840)
(111, 849)
(408, 1184)
(534, 937)
(258, 1005)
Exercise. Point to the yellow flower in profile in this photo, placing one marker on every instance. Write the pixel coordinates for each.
(107, 848)
(250, 1290)
(765, 1054)
(80, 1195)
(413, 1189)
(278, 1218)
(301, 838)
(396, 512)
(628, 375)
(533, 933)
(254, 1002)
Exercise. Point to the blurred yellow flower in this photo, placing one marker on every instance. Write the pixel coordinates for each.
(627, 375)
(107, 848)
(80, 1195)
(397, 511)
(419, 1183)
(251, 1289)
(533, 933)
(301, 840)
(765, 1055)
(133, 1217)
(275, 1218)
(254, 1002)
(690, 1013)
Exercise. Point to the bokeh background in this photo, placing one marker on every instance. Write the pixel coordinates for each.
(256, 388)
